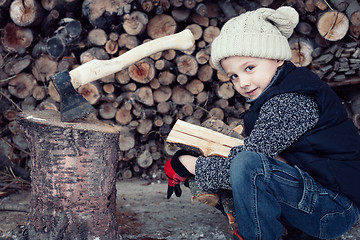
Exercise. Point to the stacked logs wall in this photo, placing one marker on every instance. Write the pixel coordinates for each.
(41, 38)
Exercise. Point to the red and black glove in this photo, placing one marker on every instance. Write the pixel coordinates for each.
(176, 173)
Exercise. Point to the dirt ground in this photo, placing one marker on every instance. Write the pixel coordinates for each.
(144, 213)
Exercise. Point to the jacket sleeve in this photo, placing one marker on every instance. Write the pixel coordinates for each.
(282, 120)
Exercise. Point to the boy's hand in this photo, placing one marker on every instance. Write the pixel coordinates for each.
(176, 173)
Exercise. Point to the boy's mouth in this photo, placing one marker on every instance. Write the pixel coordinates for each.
(251, 92)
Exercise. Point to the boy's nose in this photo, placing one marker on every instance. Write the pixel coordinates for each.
(244, 82)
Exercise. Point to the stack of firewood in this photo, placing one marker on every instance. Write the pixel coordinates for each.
(41, 38)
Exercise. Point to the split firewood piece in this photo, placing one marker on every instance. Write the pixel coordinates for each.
(143, 71)
(321, 4)
(144, 160)
(333, 25)
(225, 90)
(169, 54)
(187, 64)
(162, 108)
(15, 38)
(97, 37)
(201, 9)
(61, 5)
(205, 73)
(102, 14)
(182, 79)
(60, 44)
(135, 23)
(219, 126)
(353, 12)
(26, 12)
(22, 85)
(222, 76)
(161, 25)
(155, 84)
(53, 93)
(28, 104)
(163, 64)
(14, 66)
(196, 30)
(181, 96)
(39, 93)
(48, 104)
(176, 3)
(128, 41)
(162, 94)
(48, 25)
(44, 67)
(111, 45)
(144, 95)
(210, 33)
(195, 86)
(180, 14)
(146, 5)
(107, 110)
(304, 28)
(61, 190)
(93, 53)
(217, 113)
(202, 56)
(122, 76)
(301, 49)
(190, 4)
(91, 92)
(123, 115)
(166, 78)
(200, 20)
(67, 63)
(126, 140)
(207, 141)
(227, 8)
(145, 126)
(340, 5)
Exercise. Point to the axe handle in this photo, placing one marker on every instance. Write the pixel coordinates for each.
(96, 69)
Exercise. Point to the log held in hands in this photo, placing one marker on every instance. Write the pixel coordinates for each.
(73, 177)
(207, 141)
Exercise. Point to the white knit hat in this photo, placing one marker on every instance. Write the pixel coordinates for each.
(261, 33)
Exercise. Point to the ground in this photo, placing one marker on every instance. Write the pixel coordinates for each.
(144, 213)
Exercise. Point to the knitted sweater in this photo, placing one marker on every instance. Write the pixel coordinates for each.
(282, 120)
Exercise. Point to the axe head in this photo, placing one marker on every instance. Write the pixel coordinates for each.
(72, 104)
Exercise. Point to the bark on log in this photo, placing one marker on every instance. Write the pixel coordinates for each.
(73, 178)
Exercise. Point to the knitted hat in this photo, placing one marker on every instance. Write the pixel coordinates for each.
(261, 33)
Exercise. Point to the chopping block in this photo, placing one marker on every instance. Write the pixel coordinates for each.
(73, 177)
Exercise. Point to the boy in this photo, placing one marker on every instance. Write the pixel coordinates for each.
(300, 162)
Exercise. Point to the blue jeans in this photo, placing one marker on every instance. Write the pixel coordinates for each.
(269, 193)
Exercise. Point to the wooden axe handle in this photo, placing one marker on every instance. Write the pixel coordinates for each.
(96, 69)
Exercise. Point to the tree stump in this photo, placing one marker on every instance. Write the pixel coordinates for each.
(73, 177)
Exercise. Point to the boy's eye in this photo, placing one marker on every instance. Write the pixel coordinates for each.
(249, 68)
(233, 77)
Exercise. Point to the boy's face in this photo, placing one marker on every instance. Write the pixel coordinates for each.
(250, 75)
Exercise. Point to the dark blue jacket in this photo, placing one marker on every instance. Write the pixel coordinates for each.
(330, 152)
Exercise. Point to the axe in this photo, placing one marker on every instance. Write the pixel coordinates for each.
(73, 105)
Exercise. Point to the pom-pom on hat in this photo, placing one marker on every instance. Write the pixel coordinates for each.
(261, 33)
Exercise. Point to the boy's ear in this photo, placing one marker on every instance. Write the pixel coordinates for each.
(280, 63)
